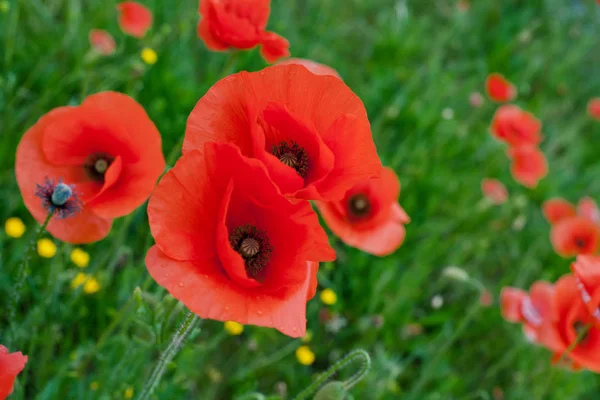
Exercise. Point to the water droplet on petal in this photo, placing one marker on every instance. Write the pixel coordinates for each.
(180, 284)
(259, 312)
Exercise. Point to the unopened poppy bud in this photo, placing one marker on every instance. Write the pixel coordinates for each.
(456, 273)
(332, 391)
(62, 193)
(137, 294)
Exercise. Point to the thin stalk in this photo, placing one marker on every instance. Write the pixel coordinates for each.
(354, 355)
(565, 353)
(266, 361)
(176, 343)
(24, 270)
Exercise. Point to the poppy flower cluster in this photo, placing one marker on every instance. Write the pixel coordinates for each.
(520, 130)
(575, 230)
(11, 365)
(90, 164)
(564, 316)
(236, 238)
(134, 19)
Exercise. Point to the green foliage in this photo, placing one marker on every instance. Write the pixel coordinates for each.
(408, 60)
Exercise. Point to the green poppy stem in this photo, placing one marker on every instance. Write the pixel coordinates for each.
(165, 358)
(355, 355)
(22, 273)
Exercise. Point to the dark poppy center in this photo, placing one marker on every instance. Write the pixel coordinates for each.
(359, 205)
(582, 330)
(254, 247)
(97, 165)
(580, 243)
(292, 155)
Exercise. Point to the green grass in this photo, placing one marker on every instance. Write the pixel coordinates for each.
(408, 60)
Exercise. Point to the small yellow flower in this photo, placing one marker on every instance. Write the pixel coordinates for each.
(328, 297)
(94, 386)
(149, 56)
(305, 355)
(4, 6)
(91, 285)
(79, 280)
(46, 248)
(233, 328)
(129, 393)
(80, 257)
(14, 227)
(307, 337)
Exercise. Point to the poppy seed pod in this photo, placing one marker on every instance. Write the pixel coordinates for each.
(332, 391)
(61, 194)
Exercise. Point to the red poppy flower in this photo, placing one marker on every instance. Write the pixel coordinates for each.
(369, 216)
(11, 365)
(499, 88)
(135, 19)
(312, 66)
(572, 318)
(102, 42)
(534, 311)
(594, 107)
(516, 127)
(310, 131)
(494, 190)
(575, 235)
(588, 208)
(240, 24)
(557, 209)
(230, 246)
(587, 273)
(107, 148)
(529, 165)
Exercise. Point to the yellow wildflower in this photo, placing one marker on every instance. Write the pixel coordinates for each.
(129, 393)
(14, 227)
(149, 56)
(328, 297)
(80, 257)
(46, 248)
(233, 328)
(305, 355)
(79, 280)
(91, 285)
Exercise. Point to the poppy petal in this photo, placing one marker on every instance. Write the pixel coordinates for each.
(102, 42)
(511, 300)
(11, 365)
(209, 294)
(312, 66)
(273, 47)
(529, 165)
(499, 88)
(557, 209)
(135, 19)
(575, 235)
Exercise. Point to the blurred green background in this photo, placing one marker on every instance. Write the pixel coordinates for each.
(414, 63)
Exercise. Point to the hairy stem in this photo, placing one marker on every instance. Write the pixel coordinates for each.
(176, 342)
(354, 355)
(22, 274)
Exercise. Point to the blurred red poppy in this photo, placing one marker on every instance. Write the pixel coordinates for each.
(369, 216)
(102, 42)
(312, 66)
(529, 165)
(574, 323)
(534, 311)
(230, 246)
(588, 208)
(557, 209)
(311, 131)
(11, 365)
(135, 19)
(574, 236)
(240, 24)
(499, 88)
(594, 107)
(494, 190)
(516, 127)
(587, 272)
(107, 148)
